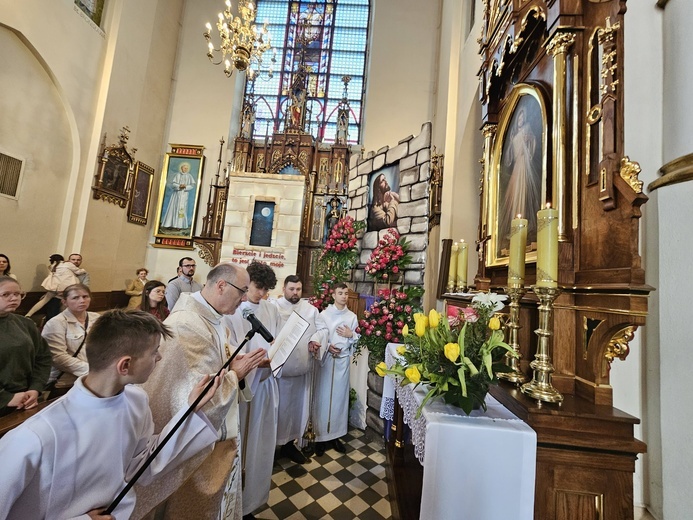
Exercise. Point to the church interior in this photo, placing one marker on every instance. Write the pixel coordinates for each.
(107, 104)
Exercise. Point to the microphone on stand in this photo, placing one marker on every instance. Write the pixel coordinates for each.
(258, 326)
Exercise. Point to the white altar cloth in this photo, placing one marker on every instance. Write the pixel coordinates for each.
(480, 467)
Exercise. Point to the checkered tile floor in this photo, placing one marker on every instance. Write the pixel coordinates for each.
(332, 487)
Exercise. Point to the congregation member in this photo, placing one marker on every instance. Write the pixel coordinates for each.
(76, 260)
(294, 382)
(154, 299)
(259, 415)
(209, 485)
(25, 360)
(5, 266)
(333, 342)
(184, 283)
(66, 336)
(134, 290)
(72, 458)
(61, 274)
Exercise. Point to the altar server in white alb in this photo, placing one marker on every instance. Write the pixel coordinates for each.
(73, 458)
(259, 414)
(336, 337)
(295, 374)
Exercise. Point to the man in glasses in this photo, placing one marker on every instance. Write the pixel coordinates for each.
(201, 344)
(184, 282)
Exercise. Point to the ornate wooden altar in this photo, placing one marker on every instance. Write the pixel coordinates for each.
(552, 106)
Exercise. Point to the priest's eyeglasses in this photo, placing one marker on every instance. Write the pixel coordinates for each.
(10, 295)
(242, 291)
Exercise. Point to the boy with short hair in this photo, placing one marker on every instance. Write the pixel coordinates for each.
(73, 458)
(334, 343)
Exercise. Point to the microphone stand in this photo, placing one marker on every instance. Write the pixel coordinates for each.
(190, 409)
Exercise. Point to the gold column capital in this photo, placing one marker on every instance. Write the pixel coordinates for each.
(560, 43)
(489, 130)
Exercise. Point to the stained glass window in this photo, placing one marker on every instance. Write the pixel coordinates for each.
(330, 36)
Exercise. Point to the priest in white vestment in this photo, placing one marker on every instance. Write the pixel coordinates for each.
(337, 336)
(208, 486)
(294, 383)
(259, 414)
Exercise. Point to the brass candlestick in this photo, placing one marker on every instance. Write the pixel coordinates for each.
(540, 387)
(516, 376)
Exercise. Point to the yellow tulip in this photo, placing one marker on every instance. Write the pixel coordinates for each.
(412, 373)
(420, 328)
(401, 350)
(433, 318)
(405, 331)
(452, 351)
(380, 368)
(494, 323)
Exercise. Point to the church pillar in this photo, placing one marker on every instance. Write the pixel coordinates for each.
(558, 48)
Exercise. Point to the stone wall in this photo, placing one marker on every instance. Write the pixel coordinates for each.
(413, 155)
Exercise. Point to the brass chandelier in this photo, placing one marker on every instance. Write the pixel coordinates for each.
(242, 43)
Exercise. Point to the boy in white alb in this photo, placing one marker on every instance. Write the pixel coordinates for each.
(333, 343)
(73, 458)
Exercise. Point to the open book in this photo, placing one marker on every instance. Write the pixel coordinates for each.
(286, 341)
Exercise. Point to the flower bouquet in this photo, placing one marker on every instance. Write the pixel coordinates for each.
(389, 258)
(338, 257)
(458, 357)
(386, 318)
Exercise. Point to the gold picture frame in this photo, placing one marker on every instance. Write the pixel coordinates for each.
(518, 171)
(179, 194)
(138, 209)
(114, 175)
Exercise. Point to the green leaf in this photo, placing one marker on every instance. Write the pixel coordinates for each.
(460, 339)
(426, 399)
(463, 384)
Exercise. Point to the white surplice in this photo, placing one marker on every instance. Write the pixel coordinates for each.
(259, 415)
(295, 375)
(331, 414)
(77, 454)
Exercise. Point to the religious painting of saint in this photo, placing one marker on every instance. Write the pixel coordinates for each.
(138, 210)
(383, 198)
(178, 195)
(519, 160)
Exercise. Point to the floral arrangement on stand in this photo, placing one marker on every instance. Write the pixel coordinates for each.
(389, 258)
(456, 358)
(338, 257)
(387, 319)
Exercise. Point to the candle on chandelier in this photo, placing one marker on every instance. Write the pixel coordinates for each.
(547, 247)
(462, 265)
(518, 247)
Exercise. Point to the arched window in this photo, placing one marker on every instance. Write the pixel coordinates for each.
(336, 32)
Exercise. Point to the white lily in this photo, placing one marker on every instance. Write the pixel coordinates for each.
(490, 300)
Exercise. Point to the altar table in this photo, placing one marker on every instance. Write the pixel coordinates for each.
(480, 467)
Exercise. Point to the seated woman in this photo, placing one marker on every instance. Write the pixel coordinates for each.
(62, 274)
(25, 360)
(134, 290)
(5, 266)
(154, 299)
(66, 334)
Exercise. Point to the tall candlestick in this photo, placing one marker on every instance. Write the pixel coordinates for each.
(518, 247)
(547, 247)
(462, 265)
(452, 271)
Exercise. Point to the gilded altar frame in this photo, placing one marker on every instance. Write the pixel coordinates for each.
(527, 98)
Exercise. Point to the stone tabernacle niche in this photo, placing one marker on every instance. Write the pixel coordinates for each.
(411, 160)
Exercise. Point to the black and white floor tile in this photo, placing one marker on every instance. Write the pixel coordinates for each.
(335, 486)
